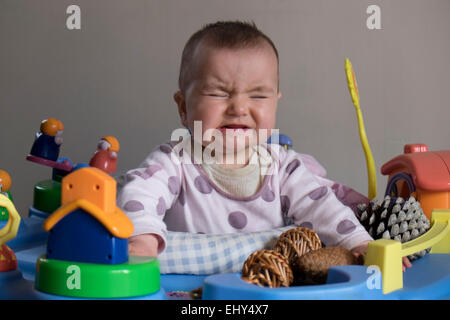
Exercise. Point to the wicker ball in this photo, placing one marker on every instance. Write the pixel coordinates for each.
(296, 242)
(267, 268)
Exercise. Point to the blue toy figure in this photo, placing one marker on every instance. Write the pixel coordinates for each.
(48, 140)
(281, 139)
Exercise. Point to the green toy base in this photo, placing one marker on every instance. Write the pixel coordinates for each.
(139, 276)
(47, 195)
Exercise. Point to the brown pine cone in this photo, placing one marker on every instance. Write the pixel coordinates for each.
(312, 267)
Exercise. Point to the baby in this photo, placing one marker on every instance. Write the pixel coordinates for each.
(227, 99)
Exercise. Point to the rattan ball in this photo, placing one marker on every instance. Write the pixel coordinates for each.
(296, 242)
(267, 268)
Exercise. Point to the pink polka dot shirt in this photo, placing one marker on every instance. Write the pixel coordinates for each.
(167, 193)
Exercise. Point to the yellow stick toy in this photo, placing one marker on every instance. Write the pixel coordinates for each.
(353, 87)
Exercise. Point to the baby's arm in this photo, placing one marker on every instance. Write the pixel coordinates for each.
(349, 197)
(147, 193)
(315, 206)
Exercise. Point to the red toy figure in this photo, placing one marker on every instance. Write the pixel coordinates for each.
(105, 158)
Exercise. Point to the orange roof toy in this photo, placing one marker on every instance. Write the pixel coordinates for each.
(420, 173)
(88, 227)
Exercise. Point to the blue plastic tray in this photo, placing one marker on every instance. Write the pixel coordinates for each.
(429, 278)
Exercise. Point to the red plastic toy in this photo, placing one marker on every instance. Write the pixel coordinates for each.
(420, 173)
(105, 158)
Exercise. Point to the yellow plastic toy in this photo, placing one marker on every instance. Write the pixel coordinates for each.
(387, 254)
(9, 231)
(353, 88)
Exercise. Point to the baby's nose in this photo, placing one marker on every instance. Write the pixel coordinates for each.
(237, 107)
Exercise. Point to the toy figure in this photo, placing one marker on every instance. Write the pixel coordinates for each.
(282, 140)
(48, 140)
(5, 184)
(8, 261)
(105, 158)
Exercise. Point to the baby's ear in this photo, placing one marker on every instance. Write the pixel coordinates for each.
(181, 102)
(178, 96)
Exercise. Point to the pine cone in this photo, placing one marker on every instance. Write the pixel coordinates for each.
(396, 219)
(312, 267)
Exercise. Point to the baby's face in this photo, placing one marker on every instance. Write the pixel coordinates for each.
(232, 90)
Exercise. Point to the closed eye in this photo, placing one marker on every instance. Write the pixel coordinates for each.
(216, 94)
(259, 97)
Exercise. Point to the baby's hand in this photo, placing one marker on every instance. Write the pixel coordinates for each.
(143, 245)
(360, 252)
(406, 263)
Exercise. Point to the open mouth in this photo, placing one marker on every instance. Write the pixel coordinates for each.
(234, 127)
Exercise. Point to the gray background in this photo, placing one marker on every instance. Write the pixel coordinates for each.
(116, 76)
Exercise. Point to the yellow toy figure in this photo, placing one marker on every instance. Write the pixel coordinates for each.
(105, 158)
(8, 261)
(5, 185)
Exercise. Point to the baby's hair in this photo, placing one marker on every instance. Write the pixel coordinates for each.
(221, 34)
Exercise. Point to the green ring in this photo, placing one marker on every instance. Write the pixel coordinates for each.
(138, 277)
